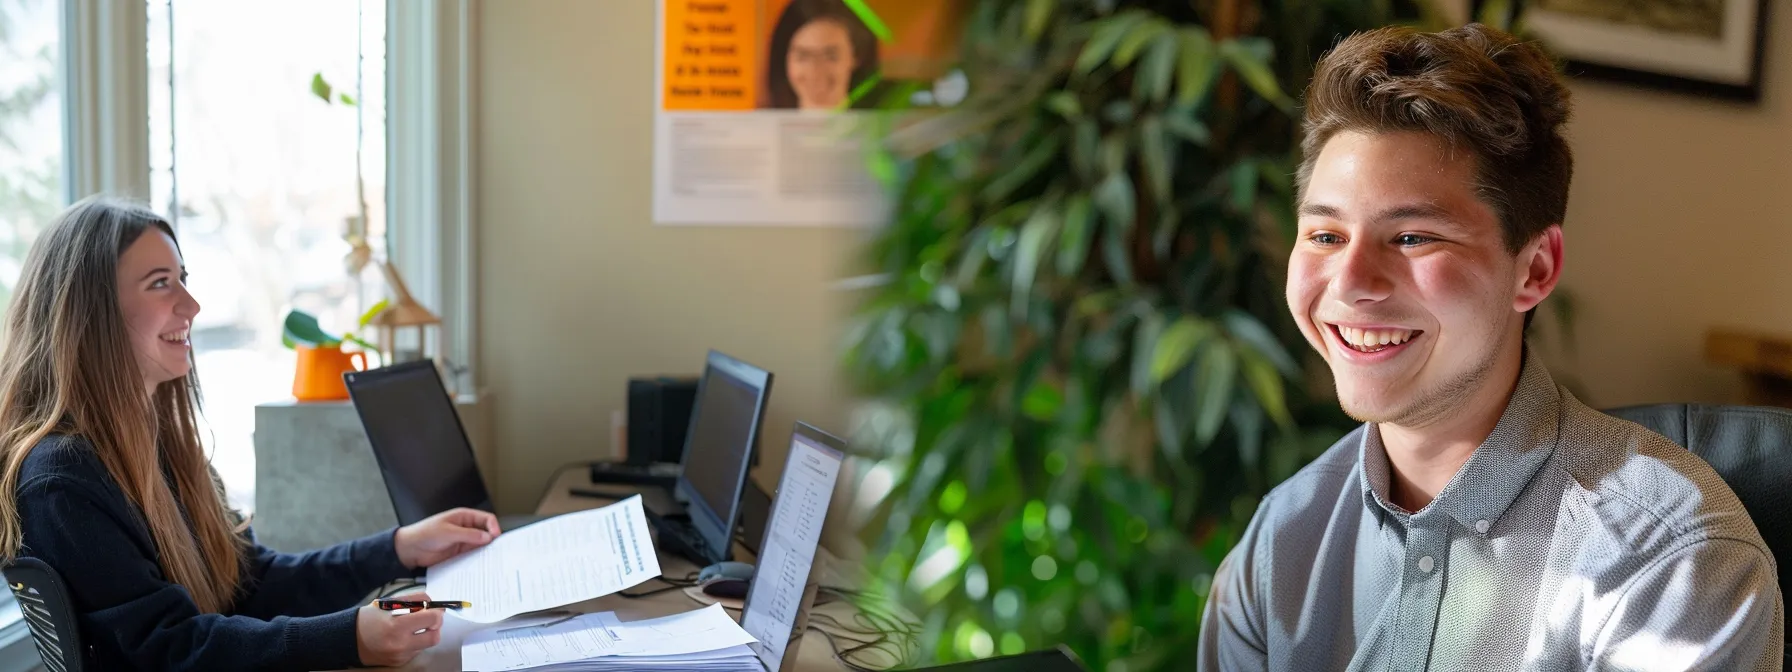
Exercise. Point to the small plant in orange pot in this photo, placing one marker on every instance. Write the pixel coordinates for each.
(321, 359)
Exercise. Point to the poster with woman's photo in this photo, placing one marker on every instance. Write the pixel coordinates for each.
(754, 112)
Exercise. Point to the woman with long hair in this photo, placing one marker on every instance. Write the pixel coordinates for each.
(107, 482)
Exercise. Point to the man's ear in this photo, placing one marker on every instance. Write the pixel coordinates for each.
(1539, 269)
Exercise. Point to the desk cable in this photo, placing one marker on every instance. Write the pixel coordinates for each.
(874, 628)
(671, 585)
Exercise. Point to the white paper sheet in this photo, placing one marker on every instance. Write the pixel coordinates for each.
(552, 563)
(693, 636)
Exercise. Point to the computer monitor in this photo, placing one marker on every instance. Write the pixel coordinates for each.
(779, 596)
(725, 420)
(418, 441)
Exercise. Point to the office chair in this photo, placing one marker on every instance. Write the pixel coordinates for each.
(48, 612)
(1750, 447)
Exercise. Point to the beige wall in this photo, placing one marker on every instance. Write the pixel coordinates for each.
(578, 289)
(1678, 221)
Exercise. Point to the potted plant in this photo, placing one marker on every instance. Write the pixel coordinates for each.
(1081, 373)
(321, 359)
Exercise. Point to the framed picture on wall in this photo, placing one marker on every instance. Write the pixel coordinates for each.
(1707, 47)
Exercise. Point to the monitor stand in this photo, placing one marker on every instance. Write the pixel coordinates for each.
(674, 534)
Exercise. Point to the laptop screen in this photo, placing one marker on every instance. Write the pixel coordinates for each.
(423, 452)
(775, 595)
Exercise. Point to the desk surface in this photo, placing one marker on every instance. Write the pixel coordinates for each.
(813, 655)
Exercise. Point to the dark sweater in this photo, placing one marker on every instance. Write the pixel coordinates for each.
(293, 612)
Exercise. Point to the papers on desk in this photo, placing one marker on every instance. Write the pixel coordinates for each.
(706, 639)
(552, 563)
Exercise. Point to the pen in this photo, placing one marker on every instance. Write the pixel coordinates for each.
(414, 605)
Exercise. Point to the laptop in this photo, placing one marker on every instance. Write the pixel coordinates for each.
(1049, 660)
(782, 589)
(419, 442)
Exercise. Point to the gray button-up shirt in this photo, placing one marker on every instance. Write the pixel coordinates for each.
(1570, 540)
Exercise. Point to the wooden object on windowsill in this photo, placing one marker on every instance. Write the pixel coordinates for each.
(406, 313)
(1765, 361)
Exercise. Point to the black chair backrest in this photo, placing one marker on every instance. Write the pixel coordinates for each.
(48, 611)
(1750, 447)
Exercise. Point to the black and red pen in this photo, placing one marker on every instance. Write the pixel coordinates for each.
(388, 604)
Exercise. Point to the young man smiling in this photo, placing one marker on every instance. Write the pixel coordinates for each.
(1481, 518)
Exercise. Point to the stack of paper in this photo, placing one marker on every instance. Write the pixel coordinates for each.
(706, 639)
(555, 562)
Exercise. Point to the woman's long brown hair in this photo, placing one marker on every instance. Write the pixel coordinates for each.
(67, 367)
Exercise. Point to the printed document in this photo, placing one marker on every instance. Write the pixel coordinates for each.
(552, 563)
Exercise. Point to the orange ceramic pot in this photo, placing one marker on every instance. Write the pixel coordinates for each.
(319, 374)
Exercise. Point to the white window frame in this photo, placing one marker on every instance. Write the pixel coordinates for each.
(105, 99)
(431, 137)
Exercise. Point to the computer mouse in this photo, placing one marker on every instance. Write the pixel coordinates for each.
(725, 579)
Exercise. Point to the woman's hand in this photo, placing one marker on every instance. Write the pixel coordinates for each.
(443, 536)
(389, 639)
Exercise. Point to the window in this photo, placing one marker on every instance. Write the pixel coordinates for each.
(31, 186)
(258, 174)
(30, 129)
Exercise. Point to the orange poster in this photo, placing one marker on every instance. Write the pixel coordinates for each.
(707, 54)
(742, 133)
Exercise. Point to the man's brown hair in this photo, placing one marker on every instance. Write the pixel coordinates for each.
(1475, 87)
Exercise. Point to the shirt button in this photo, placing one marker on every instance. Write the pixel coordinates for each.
(1425, 564)
(1481, 526)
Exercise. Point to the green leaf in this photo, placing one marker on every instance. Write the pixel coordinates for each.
(1101, 44)
(1189, 128)
(1214, 375)
(346, 99)
(1158, 66)
(351, 338)
(301, 328)
(1154, 156)
(1196, 68)
(1277, 176)
(1244, 327)
(1136, 39)
(1247, 423)
(1079, 232)
(372, 313)
(320, 88)
(1065, 104)
(1041, 153)
(1114, 196)
(1039, 15)
(1171, 415)
(1035, 236)
(1177, 346)
(1267, 385)
(1042, 401)
(1145, 339)
(1244, 185)
(1115, 253)
(870, 18)
(1249, 57)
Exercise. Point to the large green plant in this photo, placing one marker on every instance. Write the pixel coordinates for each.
(1083, 372)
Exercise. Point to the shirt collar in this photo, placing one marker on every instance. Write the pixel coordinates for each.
(1501, 467)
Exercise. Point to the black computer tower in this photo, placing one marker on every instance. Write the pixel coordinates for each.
(659, 414)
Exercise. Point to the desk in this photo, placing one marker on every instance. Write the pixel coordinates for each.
(813, 654)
